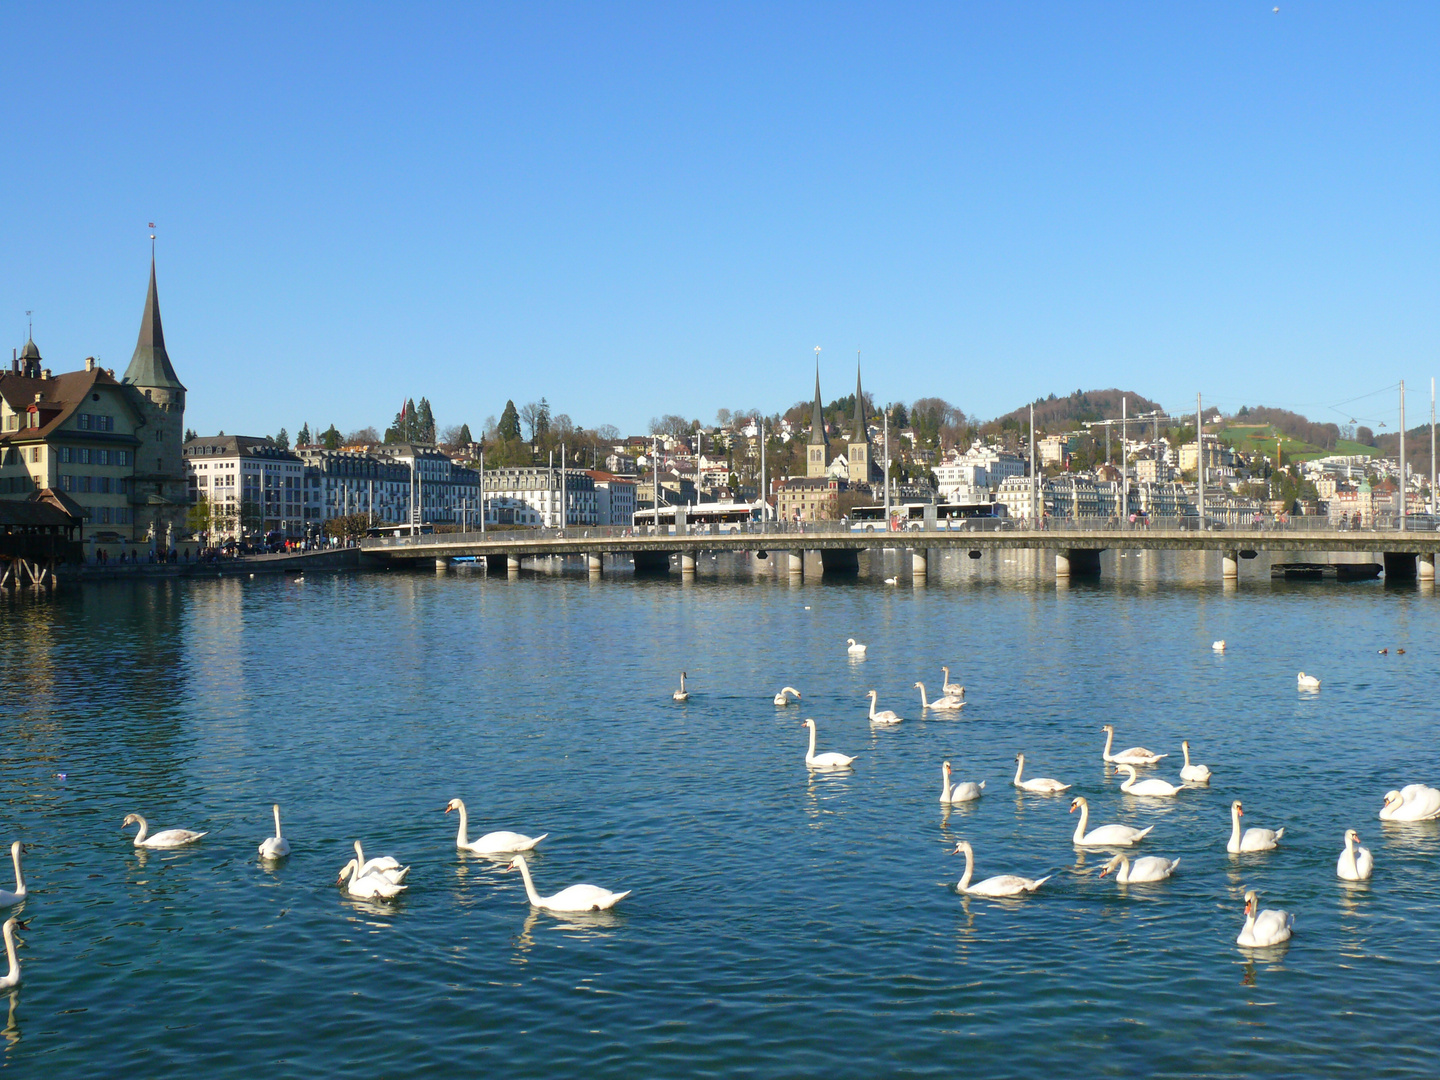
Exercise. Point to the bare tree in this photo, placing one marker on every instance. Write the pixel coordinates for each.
(722, 418)
(562, 426)
(450, 436)
(365, 436)
(607, 433)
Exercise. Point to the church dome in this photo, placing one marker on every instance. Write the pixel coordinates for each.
(30, 352)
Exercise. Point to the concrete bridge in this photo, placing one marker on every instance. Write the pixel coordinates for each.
(1077, 547)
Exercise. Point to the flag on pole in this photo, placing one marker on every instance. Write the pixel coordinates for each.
(152, 224)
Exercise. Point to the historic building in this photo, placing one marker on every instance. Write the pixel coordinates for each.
(817, 461)
(862, 467)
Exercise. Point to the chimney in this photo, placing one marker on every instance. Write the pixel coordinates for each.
(89, 363)
(110, 371)
(14, 362)
(45, 373)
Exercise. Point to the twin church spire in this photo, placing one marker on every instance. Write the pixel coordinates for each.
(858, 447)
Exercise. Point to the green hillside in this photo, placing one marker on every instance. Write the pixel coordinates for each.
(1260, 438)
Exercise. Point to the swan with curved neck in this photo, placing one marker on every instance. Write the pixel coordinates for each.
(855, 648)
(1307, 682)
(884, 716)
(10, 899)
(949, 688)
(1193, 774)
(1136, 755)
(1413, 802)
(1154, 787)
(682, 694)
(1000, 885)
(1263, 928)
(1105, 835)
(493, 843)
(964, 791)
(12, 978)
(1042, 785)
(575, 898)
(823, 761)
(368, 886)
(166, 838)
(783, 697)
(944, 703)
(275, 847)
(387, 866)
(1146, 868)
(1356, 863)
(1252, 839)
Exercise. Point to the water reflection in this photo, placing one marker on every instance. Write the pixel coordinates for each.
(11, 1033)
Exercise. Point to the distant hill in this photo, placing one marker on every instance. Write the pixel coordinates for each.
(1057, 413)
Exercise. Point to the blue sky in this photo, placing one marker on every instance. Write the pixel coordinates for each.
(638, 209)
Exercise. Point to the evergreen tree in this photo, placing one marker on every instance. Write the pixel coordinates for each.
(330, 439)
(542, 418)
(282, 440)
(190, 434)
(303, 439)
(424, 423)
(509, 426)
(465, 437)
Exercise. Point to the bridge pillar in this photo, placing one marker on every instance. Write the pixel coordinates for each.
(1427, 566)
(652, 562)
(837, 563)
(1399, 566)
(919, 566)
(1077, 562)
(1230, 567)
(687, 563)
(441, 565)
(512, 563)
(797, 564)
(595, 563)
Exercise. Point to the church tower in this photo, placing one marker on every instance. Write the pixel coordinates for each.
(818, 459)
(858, 451)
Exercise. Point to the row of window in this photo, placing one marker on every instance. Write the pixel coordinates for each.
(97, 485)
(94, 422)
(110, 515)
(83, 455)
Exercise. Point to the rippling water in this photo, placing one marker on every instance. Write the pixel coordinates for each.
(782, 924)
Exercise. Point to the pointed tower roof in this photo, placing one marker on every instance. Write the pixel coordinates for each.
(150, 364)
(817, 415)
(857, 432)
(30, 351)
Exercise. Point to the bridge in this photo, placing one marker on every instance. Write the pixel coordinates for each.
(1077, 545)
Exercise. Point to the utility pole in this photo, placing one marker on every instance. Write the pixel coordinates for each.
(1200, 458)
(887, 468)
(1402, 455)
(1432, 447)
(1034, 488)
(764, 480)
(482, 490)
(564, 495)
(1124, 463)
(655, 455)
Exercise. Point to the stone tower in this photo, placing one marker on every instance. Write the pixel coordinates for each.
(857, 453)
(160, 493)
(818, 452)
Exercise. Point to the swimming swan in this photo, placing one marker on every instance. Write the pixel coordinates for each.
(951, 689)
(575, 898)
(855, 649)
(1254, 839)
(1193, 774)
(1153, 787)
(1413, 802)
(167, 838)
(1105, 835)
(884, 716)
(1000, 885)
(1263, 927)
(368, 886)
(275, 847)
(10, 899)
(944, 703)
(823, 761)
(1136, 755)
(783, 697)
(1145, 868)
(493, 843)
(682, 694)
(1042, 785)
(1218, 646)
(1356, 863)
(387, 866)
(965, 791)
(1307, 682)
(13, 977)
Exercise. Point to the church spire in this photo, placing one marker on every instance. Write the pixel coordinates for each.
(150, 363)
(858, 432)
(817, 412)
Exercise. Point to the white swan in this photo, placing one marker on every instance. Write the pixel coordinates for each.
(891, 580)
(964, 791)
(823, 761)
(1145, 868)
(167, 838)
(493, 843)
(368, 886)
(10, 899)
(944, 704)
(387, 866)
(1043, 785)
(1413, 802)
(1263, 927)
(1153, 787)
(575, 898)
(855, 649)
(884, 716)
(682, 694)
(1218, 646)
(1306, 682)
(1105, 835)
(1000, 885)
(1136, 755)
(1356, 863)
(951, 689)
(1193, 774)
(1254, 839)
(275, 847)
(12, 978)
(783, 697)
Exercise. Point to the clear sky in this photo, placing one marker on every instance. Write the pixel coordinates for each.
(637, 209)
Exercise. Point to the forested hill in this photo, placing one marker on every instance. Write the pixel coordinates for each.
(1057, 413)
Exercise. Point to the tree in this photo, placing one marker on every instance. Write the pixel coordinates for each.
(190, 434)
(1364, 436)
(199, 516)
(509, 425)
(330, 439)
(365, 436)
(424, 430)
(607, 433)
(303, 439)
(405, 425)
(536, 415)
(562, 426)
(282, 440)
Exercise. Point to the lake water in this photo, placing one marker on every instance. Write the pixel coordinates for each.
(782, 924)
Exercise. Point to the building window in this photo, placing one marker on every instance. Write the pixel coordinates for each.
(82, 421)
(84, 455)
(102, 485)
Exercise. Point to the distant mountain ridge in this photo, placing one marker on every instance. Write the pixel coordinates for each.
(1053, 412)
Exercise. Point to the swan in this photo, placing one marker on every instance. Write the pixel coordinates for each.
(783, 697)
(387, 866)
(1263, 927)
(575, 898)
(823, 761)
(13, 977)
(1306, 682)
(1218, 646)
(855, 649)
(1413, 802)
(891, 580)
(275, 847)
(368, 886)
(491, 843)
(944, 703)
(1136, 755)
(1044, 785)
(951, 689)
(884, 716)
(1145, 868)
(682, 694)
(1254, 839)
(166, 839)
(965, 791)
(1105, 835)
(1154, 787)
(1356, 863)
(1194, 774)
(10, 899)
(1001, 885)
